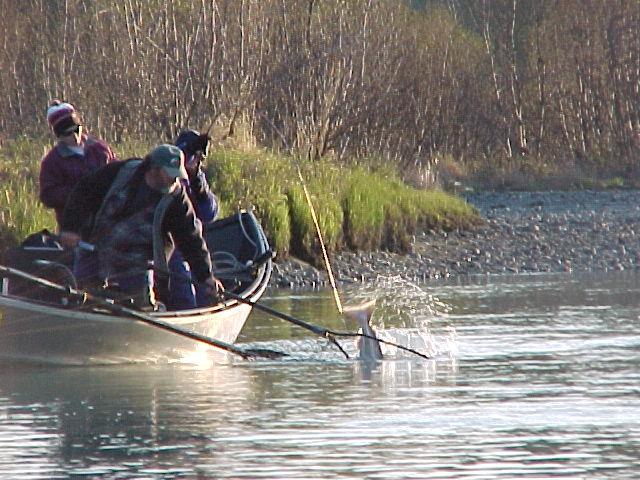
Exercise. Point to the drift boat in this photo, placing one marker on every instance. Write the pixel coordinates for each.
(40, 324)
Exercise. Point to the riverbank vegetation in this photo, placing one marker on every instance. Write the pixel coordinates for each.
(366, 96)
(506, 93)
(358, 207)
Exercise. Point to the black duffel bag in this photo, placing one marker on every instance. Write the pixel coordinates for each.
(40, 255)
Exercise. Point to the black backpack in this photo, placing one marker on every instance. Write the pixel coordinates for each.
(40, 255)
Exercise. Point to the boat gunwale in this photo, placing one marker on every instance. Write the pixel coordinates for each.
(252, 292)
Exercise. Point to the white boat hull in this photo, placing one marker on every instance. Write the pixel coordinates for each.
(36, 328)
(43, 334)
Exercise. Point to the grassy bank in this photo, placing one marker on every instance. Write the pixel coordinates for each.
(21, 212)
(358, 207)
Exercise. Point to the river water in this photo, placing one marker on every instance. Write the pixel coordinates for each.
(531, 377)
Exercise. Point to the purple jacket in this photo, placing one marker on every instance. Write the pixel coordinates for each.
(61, 169)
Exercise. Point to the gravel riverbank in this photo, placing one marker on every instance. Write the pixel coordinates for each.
(523, 233)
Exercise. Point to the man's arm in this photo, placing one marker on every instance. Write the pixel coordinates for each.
(204, 201)
(54, 187)
(186, 230)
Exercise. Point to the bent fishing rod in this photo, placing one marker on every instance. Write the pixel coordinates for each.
(314, 217)
(326, 333)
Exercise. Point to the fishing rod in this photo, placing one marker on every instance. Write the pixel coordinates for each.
(314, 217)
(110, 304)
(325, 256)
(321, 331)
(317, 330)
(330, 335)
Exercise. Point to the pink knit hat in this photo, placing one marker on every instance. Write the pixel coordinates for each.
(62, 117)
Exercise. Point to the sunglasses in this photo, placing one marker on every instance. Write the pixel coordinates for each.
(195, 157)
(75, 129)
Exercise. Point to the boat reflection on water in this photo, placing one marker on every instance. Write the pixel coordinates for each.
(69, 419)
(129, 421)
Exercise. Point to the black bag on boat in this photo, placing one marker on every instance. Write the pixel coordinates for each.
(42, 256)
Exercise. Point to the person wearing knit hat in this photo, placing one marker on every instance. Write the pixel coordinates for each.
(75, 154)
(63, 118)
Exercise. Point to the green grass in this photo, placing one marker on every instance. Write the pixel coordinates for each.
(245, 180)
(383, 213)
(358, 207)
(21, 212)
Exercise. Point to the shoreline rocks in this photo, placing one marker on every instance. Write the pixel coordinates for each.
(523, 232)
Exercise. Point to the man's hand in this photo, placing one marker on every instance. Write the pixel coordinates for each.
(69, 239)
(214, 289)
(195, 181)
(192, 165)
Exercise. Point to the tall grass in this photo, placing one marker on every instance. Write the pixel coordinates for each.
(324, 185)
(383, 213)
(254, 179)
(21, 212)
(133, 148)
(358, 207)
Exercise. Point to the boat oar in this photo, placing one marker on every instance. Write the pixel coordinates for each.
(143, 317)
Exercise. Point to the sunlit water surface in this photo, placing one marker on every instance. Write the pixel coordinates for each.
(531, 377)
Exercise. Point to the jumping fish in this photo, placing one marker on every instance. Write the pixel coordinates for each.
(368, 347)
